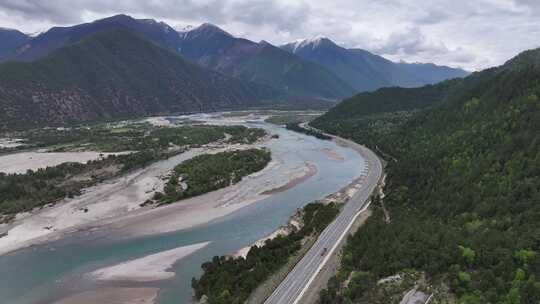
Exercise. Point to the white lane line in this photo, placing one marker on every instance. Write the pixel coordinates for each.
(295, 280)
(331, 252)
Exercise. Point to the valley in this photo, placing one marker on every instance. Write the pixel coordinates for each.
(116, 219)
(287, 152)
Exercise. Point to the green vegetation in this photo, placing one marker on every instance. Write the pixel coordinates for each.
(23, 192)
(366, 129)
(243, 135)
(297, 128)
(292, 117)
(463, 191)
(231, 280)
(209, 172)
(132, 137)
(392, 99)
(114, 74)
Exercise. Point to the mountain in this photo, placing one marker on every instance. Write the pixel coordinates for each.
(462, 200)
(431, 73)
(114, 74)
(365, 71)
(392, 99)
(158, 32)
(212, 47)
(11, 40)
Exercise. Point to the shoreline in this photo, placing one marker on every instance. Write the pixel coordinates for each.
(98, 204)
(20, 162)
(149, 268)
(341, 197)
(310, 172)
(114, 206)
(191, 213)
(139, 295)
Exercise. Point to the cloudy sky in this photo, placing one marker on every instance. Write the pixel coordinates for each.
(472, 34)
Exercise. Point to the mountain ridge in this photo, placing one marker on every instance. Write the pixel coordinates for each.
(366, 71)
(208, 45)
(212, 47)
(462, 190)
(56, 37)
(114, 74)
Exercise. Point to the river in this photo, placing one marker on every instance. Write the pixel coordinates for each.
(48, 272)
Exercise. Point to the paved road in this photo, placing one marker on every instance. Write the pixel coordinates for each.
(299, 279)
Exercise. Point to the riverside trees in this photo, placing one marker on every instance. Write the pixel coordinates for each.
(463, 191)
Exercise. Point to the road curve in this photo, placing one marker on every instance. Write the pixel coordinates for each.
(300, 278)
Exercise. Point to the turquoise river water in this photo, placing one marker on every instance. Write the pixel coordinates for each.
(45, 273)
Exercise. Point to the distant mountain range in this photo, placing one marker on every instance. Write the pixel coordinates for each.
(261, 62)
(114, 74)
(302, 72)
(469, 157)
(365, 71)
(524, 67)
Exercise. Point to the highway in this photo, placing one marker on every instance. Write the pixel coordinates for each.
(302, 275)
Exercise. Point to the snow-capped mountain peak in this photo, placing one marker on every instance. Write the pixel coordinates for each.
(312, 43)
(205, 28)
(184, 28)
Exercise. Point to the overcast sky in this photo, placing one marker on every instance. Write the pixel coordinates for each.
(472, 34)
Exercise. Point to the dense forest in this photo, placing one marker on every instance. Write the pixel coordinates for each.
(463, 191)
(393, 99)
(297, 128)
(228, 280)
(209, 172)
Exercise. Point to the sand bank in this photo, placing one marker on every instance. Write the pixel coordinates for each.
(116, 204)
(332, 154)
(206, 207)
(310, 170)
(149, 268)
(294, 223)
(21, 162)
(109, 199)
(158, 121)
(112, 295)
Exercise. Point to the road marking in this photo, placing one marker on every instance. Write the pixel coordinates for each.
(296, 279)
(330, 252)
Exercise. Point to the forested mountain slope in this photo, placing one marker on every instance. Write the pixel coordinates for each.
(365, 71)
(390, 100)
(261, 62)
(114, 74)
(463, 193)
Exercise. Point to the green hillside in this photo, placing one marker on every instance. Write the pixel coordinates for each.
(114, 74)
(391, 100)
(272, 66)
(463, 191)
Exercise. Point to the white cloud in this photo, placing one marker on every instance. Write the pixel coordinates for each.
(471, 34)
